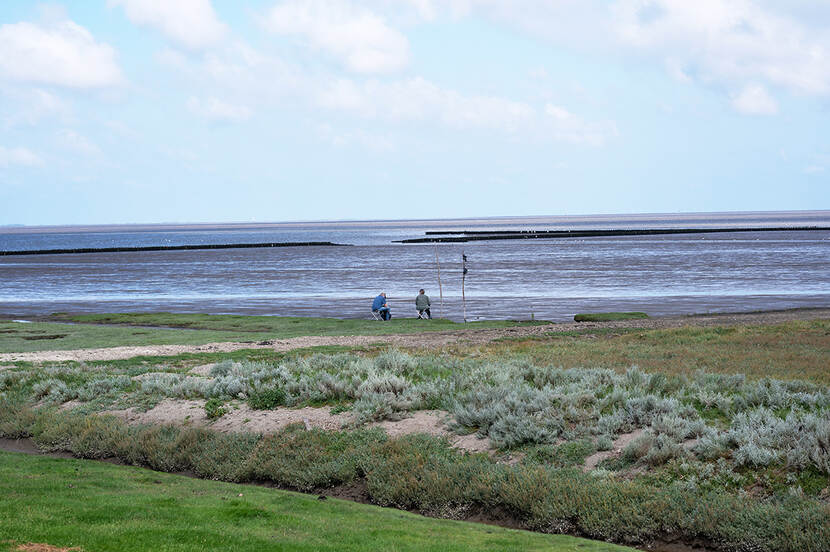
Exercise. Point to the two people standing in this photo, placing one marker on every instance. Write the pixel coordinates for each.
(381, 306)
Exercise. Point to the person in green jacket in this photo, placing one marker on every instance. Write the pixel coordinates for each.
(422, 304)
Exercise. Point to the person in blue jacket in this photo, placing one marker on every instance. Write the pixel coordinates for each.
(380, 306)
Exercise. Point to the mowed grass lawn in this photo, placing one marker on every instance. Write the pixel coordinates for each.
(113, 330)
(99, 506)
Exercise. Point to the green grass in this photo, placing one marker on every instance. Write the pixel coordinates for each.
(286, 326)
(792, 350)
(114, 330)
(98, 506)
(609, 316)
(46, 336)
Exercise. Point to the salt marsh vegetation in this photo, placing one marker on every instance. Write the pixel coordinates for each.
(623, 455)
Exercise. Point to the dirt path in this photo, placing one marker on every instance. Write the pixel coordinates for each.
(422, 340)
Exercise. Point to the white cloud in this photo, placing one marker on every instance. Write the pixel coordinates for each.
(418, 99)
(27, 106)
(755, 100)
(72, 141)
(237, 70)
(814, 169)
(254, 78)
(358, 37)
(62, 53)
(190, 23)
(216, 110)
(728, 44)
(424, 8)
(567, 127)
(728, 41)
(120, 128)
(45, 103)
(359, 137)
(19, 156)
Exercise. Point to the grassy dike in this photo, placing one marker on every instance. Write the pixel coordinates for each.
(99, 506)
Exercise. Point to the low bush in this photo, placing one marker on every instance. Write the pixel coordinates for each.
(17, 417)
(214, 409)
(306, 460)
(266, 399)
(609, 316)
(220, 456)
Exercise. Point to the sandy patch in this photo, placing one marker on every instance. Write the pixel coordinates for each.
(433, 422)
(151, 375)
(621, 442)
(168, 411)
(422, 340)
(242, 418)
(270, 421)
(474, 443)
(430, 422)
(203, 370)
(41, 547)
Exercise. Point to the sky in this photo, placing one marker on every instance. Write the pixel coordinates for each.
(150, 111)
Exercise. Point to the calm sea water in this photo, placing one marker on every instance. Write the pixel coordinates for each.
(546, 279)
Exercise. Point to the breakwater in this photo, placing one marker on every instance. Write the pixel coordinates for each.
(168, 248)
(485, 235)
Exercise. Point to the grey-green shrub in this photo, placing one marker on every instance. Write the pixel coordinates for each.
(53, 391)
(604, 442)
(103, 386)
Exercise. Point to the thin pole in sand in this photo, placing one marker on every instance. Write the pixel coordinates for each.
(440, 289)
(463, 278)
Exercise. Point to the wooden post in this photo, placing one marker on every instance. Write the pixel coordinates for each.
(463, 278)
(440, 289)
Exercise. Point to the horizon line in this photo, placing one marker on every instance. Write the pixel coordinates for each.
(5, 228)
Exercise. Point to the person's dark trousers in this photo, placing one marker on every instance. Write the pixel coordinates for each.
(428, 313)
(385, 313)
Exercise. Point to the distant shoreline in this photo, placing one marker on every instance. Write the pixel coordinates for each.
(518, 220)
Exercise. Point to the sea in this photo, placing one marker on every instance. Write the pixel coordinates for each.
(542, 279)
